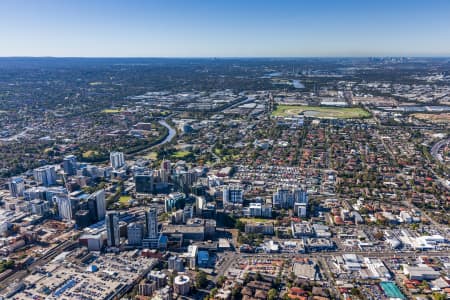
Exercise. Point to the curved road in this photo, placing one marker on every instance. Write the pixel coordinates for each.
(435, 153)
(435, 149)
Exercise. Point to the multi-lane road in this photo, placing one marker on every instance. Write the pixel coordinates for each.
(436, 147)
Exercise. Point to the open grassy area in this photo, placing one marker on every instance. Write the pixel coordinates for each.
(254, 220)
(111, 111)
(323, 112)
(47, 150)
(124, 200)
(434, 118)
(90, 153)
(181, 154)
(152, 156)
(95, 83)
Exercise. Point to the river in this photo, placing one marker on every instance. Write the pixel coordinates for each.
(169, 137)
(297, 84)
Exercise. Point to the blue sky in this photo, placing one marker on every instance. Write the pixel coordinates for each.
(230, 28)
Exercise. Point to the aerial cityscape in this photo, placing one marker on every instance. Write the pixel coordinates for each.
(224, 177)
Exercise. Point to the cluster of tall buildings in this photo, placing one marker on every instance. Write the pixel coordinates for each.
(291, 198)
(45, 175)
(85, 212)
(160, 180)
(17, 187)
(139, 234)
(48, 193)
(80, 174)
(153, 181)
(283, 198)
(70, 165)
(233, 194)
(117, 160)
(112, 229)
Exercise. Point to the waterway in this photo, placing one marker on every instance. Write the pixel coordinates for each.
(297, 84)
(170, 136)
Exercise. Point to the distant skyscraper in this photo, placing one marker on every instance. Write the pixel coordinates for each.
(289, 197)
(166, 166)
(300, 196)
(174, 200)
(300, 202)
(82, 219)
(283, 198)
(144, 183)
(200, 203)
(64, 204)
(112, 229)
(45, 175)
(70, 165)
(186, 179)
(233, 194)
(117, 159)
(151, 218)
(97, 205)
(166, 170)
(39, 207)
(17, 186)
(135, 234)
(300, 209)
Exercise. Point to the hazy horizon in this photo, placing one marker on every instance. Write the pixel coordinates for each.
(235, 57)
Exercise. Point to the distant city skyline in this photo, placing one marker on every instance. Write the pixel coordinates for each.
(232, 28)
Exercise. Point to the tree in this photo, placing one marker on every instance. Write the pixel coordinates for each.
(438, 296)
(355, 292)
(8, 264)
(258, 276)
(172, 276)
(221, 280)
(246, 278)
(235, 292)
(379, 235)
(272, 295)
(277, 281)
(213, 292)
(292, 276)
(201, 279)
(240, 225)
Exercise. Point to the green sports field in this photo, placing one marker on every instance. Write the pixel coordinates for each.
(181, 154)
(124, 199)
(111, 111)
(322, 112)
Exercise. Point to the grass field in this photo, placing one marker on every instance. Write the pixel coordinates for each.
(124, 199)
(95, 83)
(434, 118)
(181, 154)
(322, 112)
(152, 156)
(90, 153)
(254, 220)
(111, 111)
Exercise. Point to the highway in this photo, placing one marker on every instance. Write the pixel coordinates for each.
(435, 149)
